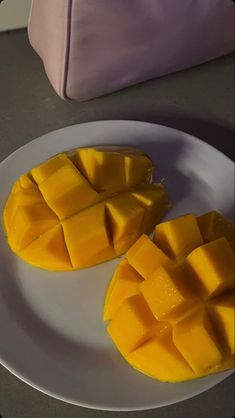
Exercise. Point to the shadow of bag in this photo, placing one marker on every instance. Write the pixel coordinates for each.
(93, 47)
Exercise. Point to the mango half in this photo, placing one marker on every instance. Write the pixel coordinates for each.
(170, 302)
(82, 208)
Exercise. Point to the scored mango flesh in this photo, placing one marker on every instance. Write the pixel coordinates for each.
(170, 302)
(83, 208)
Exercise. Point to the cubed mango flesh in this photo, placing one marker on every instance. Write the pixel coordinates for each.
(145, 257)
(213, 265)
(87, 238)
(46, 169)
(48, 251)
(125, 283)
(16, 187)
(106, 169)
(179, 236)
(190, 298)
(160, 359)
(24, 197)
(138, 169)
(194, 338)
(27, 182)
(90, 193)
(221, 310)
(132, 324)
(62, 191)
(214, 225)
(114, 167)
(125, 219)
(82, 162)
(167, 292)
(28, 223)
(155, 203)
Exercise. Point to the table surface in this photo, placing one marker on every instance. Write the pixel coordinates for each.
(198, 101)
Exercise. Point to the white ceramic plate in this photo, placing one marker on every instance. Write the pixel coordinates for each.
(51, 331)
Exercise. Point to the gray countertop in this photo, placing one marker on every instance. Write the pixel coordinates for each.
(198, 101)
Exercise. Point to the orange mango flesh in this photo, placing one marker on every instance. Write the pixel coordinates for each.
(160, 359)
(124, 233)
(22, 197)
(61, 191)
(145, 257)
(52, 246)
(213, 266)
(138, 324)
(46, 169)
(145, 197)
(87, 238)
(179, 325)
(213, 225)
(221, 311)
(80, 208)
(125, 283)
(28, 223)
(114, 167)
(167, 292)
(187, 334)
(178, 237)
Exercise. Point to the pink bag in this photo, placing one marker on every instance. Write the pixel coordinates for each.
(93, 47)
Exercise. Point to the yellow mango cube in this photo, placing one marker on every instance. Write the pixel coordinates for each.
(228, 362)
(136, 246)
(145, 257)
(155, 202)
(29, 223)
(46, 169)
(213, 225)
(16, 187)
(160, 359)
(179, 236)
(87, 238)
(167, 292)
(138, 169)
(125, 283)
(106, 169)
(9, 211)
(132, 324)
(223, 315)
(67, 192)
(194, 338)
(82, 162)
(27, 182)
(190, 297)
(213, 265)
(113, 167)
(122, 245)
(71, 183)
(48, 251)
(24, 197)
(125, 219)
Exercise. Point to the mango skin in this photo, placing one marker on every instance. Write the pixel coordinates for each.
(83, 208)
(174, 321)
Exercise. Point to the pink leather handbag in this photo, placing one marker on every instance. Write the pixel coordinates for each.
(93, 47)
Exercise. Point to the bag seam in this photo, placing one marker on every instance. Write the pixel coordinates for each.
(67, 49)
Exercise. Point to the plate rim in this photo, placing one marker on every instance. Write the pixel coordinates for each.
(110, 121)
(117, 409)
